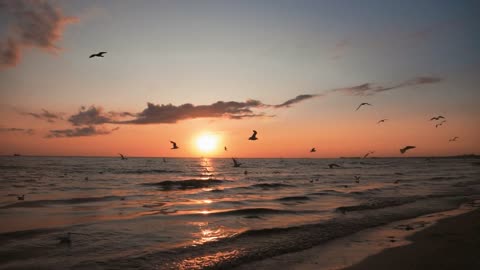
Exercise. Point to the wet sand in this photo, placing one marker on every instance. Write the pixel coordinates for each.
(445, 240)
(453, 243)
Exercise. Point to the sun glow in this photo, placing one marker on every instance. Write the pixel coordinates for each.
(207, 143)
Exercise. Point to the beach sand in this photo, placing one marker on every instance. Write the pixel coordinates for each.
(446, 240)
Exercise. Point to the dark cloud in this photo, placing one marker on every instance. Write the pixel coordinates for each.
(79, 132)
(368, 89)
(91, 116)
(295, 100)
(31, 23)
(28, 131)
(46, 115)
(155, 114)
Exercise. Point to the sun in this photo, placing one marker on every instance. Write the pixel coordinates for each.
(207, 143)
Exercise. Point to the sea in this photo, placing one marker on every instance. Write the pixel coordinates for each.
(204, 213)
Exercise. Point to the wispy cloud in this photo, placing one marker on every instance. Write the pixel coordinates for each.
(79, 132)
(295, 100)
(27, 131)
(31, 23)
(368, 89)
(45, 115)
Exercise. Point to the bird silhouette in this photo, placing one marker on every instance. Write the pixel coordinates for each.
(100, 54)
(441, 123)
(313, 150)
(123, 157)
(357, 179)
(236, 163)
(437, 118)
(382, 121)
(333, 165)
(225, 148)
(254, 136)
(406, 148)
(164, 160)
(174, 145)
(21, 198)
(362, 104)
(454, 139)
(368, 153)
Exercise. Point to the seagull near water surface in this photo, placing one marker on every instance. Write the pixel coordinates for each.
(406, 148)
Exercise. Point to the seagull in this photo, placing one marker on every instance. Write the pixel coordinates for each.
(174, 145)
(245, 172)
(254, 136)
(437, 118)
(21, 198)
(441, 123)
(382, 121)
(368, 153)
(364, 103)
(357, 179)
(164, 160)
(333, 165)
(454, 139)
(100, 54)
(225, 148)
(123, 157)
(313, 150)
(408, 147)
(236, 163)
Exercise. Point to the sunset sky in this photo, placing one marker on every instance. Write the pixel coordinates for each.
(295, 71)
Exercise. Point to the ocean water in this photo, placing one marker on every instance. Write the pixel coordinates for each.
(199, 213)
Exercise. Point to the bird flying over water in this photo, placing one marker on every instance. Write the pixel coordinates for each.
(236, 163)
(225, 148)
(368, 153)
(406, 148)
(382, 121)
(313, 150)
(357, 179)
(174, 145)
(362, 104)
(333, 165)
(123, 157)
(437, 118)
(254, 136)
(454, 139)
(100, 54)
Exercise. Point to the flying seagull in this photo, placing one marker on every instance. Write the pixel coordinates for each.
(174, 145)
(441, 123)
(333, 165)
(225, 148)
(21, 198)
(236, 163)
(368, 153)
(254, 136)
(123, 157)
(382, 121)
(362, 104)
(100, 54)
(313, 150)
(437, 118)
(406, 148)
(357, 179)
(454, 139)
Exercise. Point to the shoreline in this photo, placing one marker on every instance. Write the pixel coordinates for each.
(383, 247)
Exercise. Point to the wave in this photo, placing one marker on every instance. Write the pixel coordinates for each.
(253, 211)
(185, 184)
(41, 203)
(150, 171)
(270, 185)
(294, 198)
(378, 204)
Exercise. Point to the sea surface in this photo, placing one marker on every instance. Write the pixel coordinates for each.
(200, 213)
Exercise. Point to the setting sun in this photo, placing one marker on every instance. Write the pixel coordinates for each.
(206, 143)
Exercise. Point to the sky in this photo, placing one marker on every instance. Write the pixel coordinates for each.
(295, 71)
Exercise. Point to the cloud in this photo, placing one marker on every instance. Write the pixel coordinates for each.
(368, 89)
(28, 131)
(295, 100)
(45, 115)
(91, 116)
(79, 132)
(32, 23)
